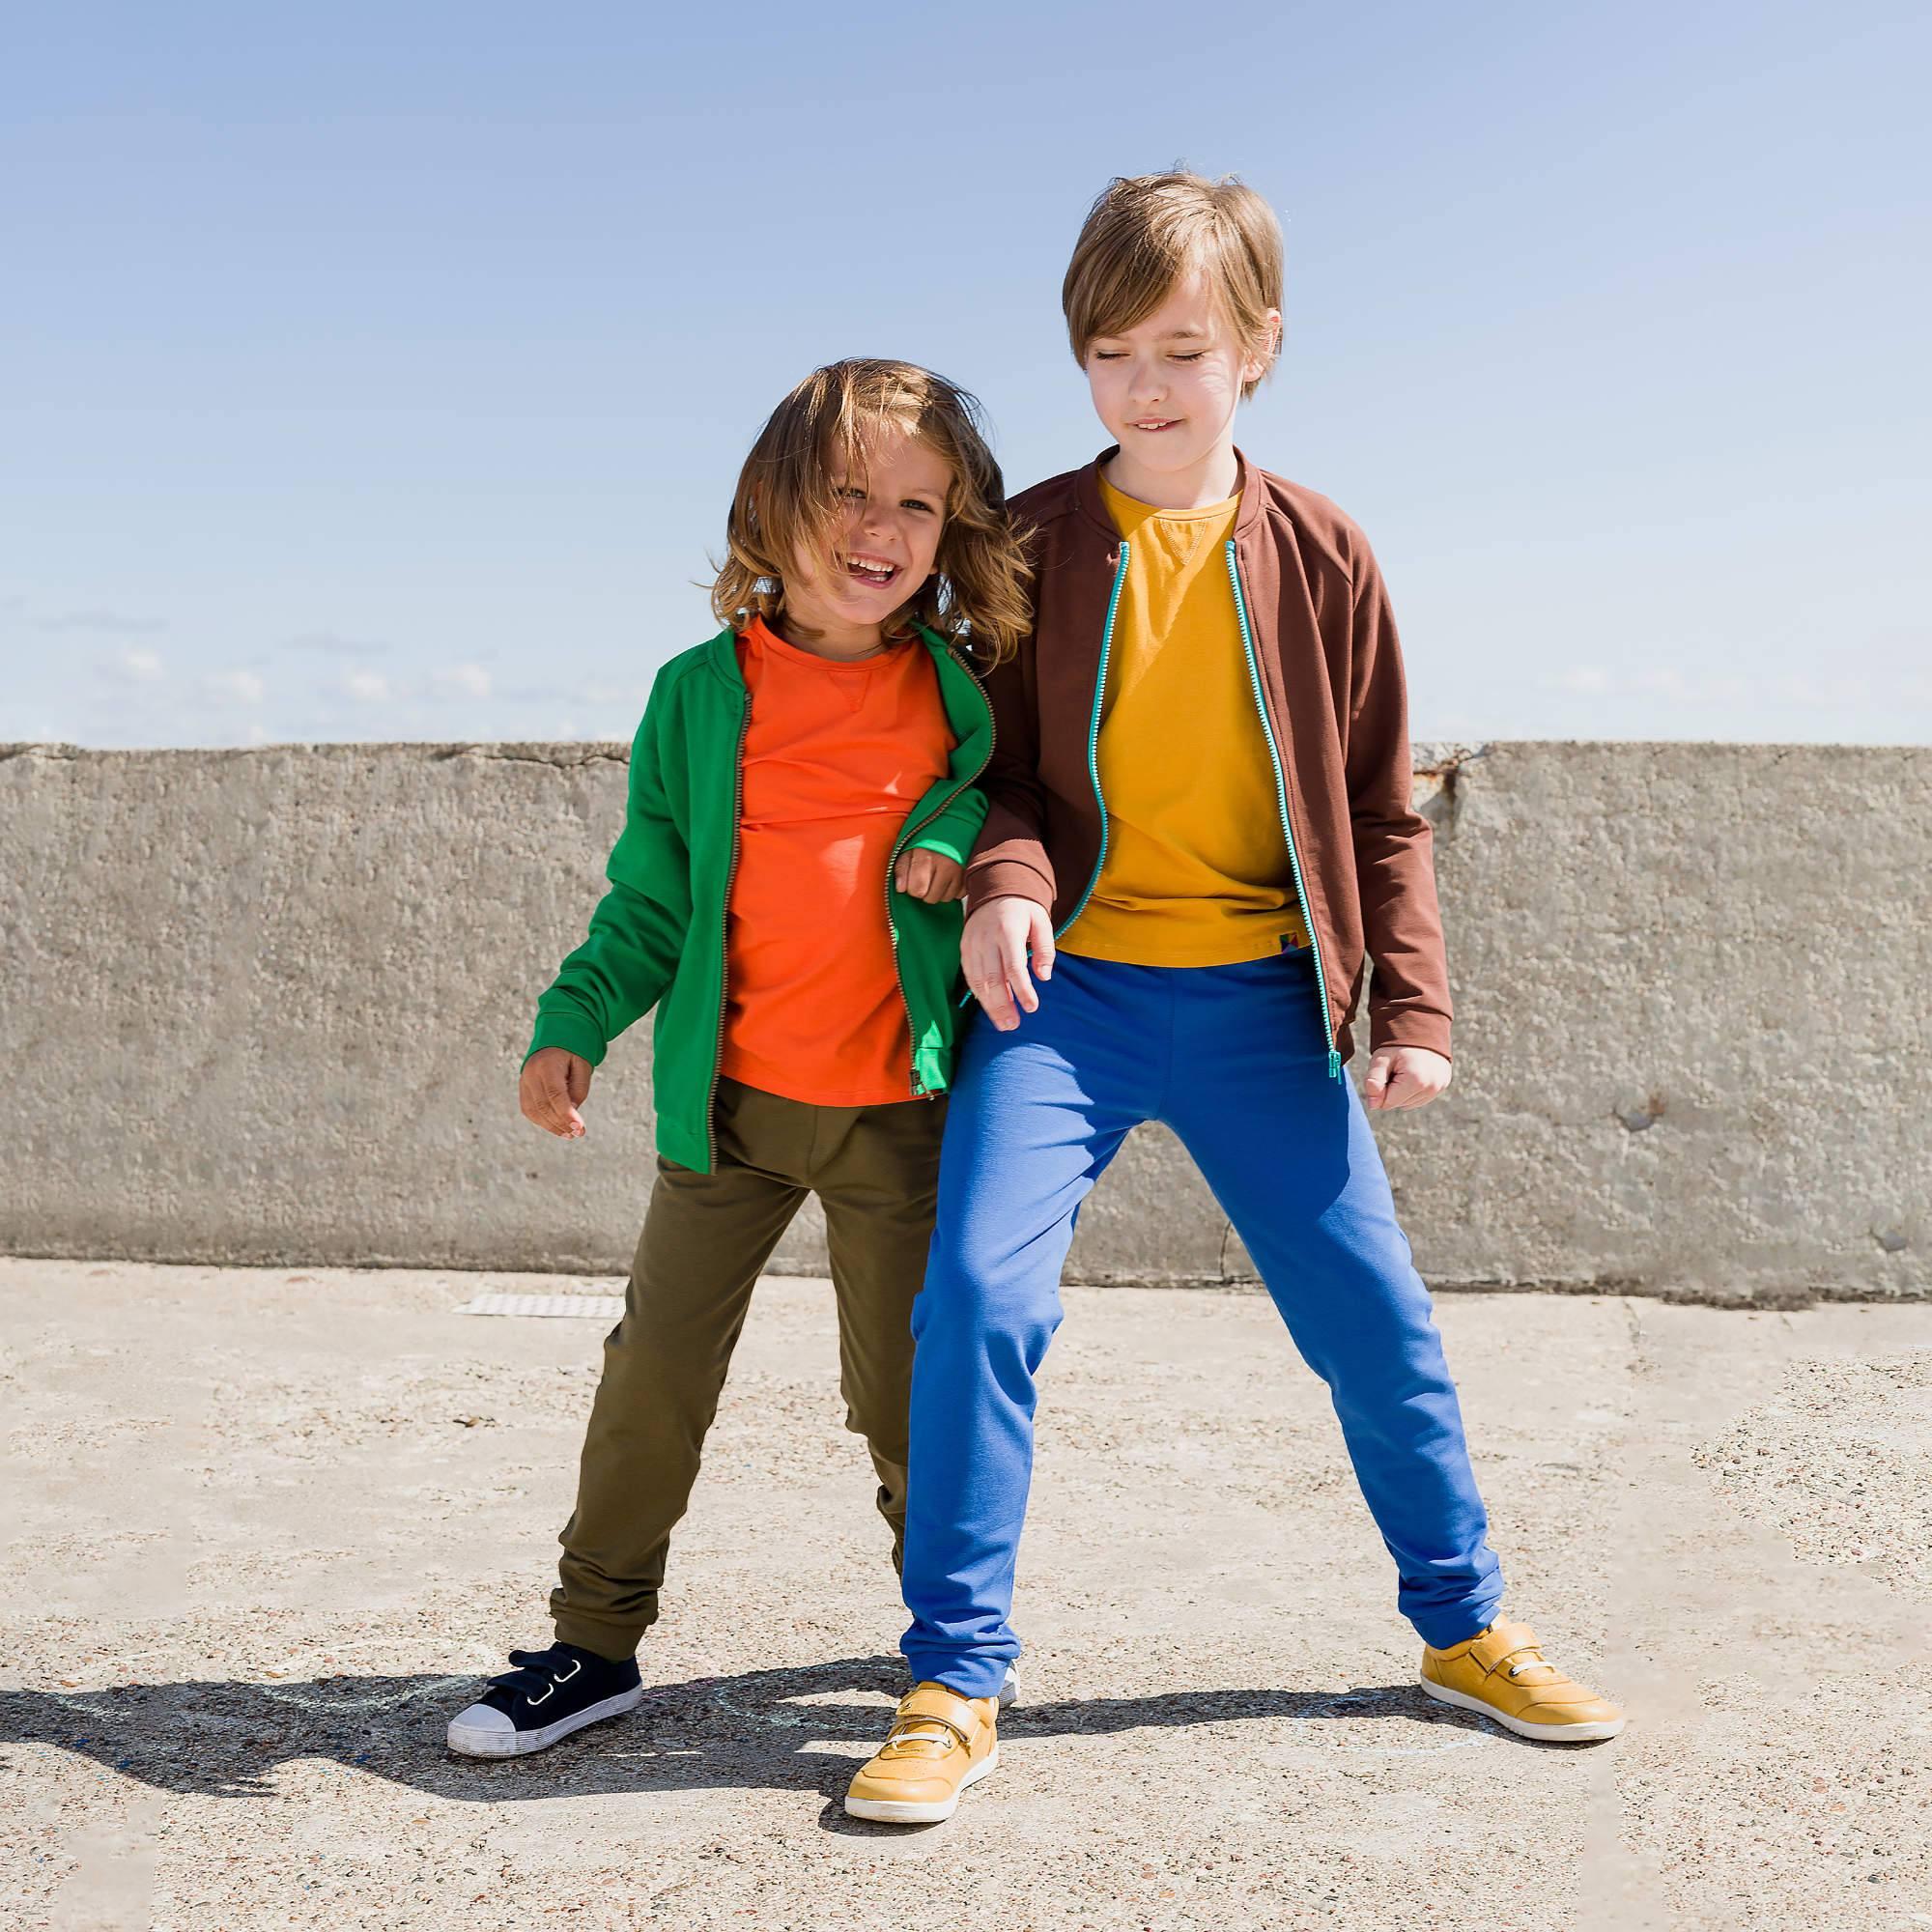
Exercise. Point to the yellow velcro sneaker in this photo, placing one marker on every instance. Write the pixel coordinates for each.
(939, 1744)
(1502, 1673)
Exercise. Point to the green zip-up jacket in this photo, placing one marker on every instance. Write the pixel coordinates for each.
(657, 937)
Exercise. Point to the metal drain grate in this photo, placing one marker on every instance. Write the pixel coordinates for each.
(591, 1307)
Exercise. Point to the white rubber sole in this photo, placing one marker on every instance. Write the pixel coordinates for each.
(474, 1741)
(1542, 1734)
(936, 1811)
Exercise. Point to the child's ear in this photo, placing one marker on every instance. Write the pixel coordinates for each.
(1264, 358)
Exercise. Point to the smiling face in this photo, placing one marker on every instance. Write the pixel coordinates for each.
(838, 596)
(1167, 389)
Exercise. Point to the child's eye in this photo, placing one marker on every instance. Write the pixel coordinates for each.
(857, 495)
(1108, 355)
(913, 503)
(1193, 355)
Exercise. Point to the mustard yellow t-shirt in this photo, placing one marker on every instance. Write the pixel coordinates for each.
(1195, 871)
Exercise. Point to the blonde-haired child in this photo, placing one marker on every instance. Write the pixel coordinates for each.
(1200, 825)
(785, 894)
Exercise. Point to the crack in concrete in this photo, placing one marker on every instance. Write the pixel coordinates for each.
(561, 758)
(1227, 1235)
(1436, 781)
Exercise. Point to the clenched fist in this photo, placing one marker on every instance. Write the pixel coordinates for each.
(925, 876)
(554, 1083)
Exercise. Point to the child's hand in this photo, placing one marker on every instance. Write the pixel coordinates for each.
(555, 1082)
(1405, 1076)
(993, 956)
(925, 876)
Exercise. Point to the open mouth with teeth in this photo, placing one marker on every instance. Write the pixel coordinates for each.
(1157, 422)
(873, 570)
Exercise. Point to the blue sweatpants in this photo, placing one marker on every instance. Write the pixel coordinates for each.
(1233, 1059)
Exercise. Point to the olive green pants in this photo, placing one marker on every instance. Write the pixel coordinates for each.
(706, 1236)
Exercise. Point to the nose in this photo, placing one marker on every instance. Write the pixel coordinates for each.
(1147, 381)
(878, 520)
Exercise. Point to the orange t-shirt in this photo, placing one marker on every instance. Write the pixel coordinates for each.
(836, 757)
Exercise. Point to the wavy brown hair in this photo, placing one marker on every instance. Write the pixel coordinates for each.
(977, 596)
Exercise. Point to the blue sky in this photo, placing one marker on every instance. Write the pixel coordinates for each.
(383, 372)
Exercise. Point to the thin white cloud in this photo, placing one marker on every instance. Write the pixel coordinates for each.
(1587, 679)
(469, 678)
(1671, 683)
(239, 687)
(366, 687)
(143, 667)
(1797, 688)
(1692, 688)
(116, 621)
(628, 691)
(335, 646)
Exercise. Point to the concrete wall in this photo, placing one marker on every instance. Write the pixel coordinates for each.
(268, 1006)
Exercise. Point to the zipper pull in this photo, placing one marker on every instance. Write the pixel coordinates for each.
(1334, 1064)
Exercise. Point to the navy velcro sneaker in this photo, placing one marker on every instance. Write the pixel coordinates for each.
(545, 1697)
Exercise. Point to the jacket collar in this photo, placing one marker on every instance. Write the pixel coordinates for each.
(1093, 505)
(721, 656)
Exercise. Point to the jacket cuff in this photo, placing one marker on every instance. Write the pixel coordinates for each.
(955, 844)
(573, 1032)
(1410, 1029)
(1006, 879)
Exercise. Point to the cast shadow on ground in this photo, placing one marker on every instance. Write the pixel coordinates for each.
(758, 1730)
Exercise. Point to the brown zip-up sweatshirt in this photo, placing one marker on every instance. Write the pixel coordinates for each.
(1330, 669)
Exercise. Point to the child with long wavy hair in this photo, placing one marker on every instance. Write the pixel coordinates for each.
(785, 894)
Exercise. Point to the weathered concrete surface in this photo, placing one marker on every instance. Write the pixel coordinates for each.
(267, 1007)
(266, 1527)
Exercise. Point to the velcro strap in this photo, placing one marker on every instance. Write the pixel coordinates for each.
(925, 1731)
(1501, 1642)
(934, 1703)
(1509, 1656)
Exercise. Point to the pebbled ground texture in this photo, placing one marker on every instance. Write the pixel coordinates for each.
(267, 1527)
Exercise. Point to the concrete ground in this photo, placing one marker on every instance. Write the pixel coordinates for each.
(267, 1527)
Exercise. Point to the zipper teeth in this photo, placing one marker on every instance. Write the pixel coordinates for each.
(1093, 735)
(906, 834)
(1281, 804)
(909, 830)
(898, 974)
(724, 929)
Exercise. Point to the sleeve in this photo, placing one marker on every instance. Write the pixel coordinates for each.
(1010, 855)
(1402, 922)
(951, 834)
(638, 929)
